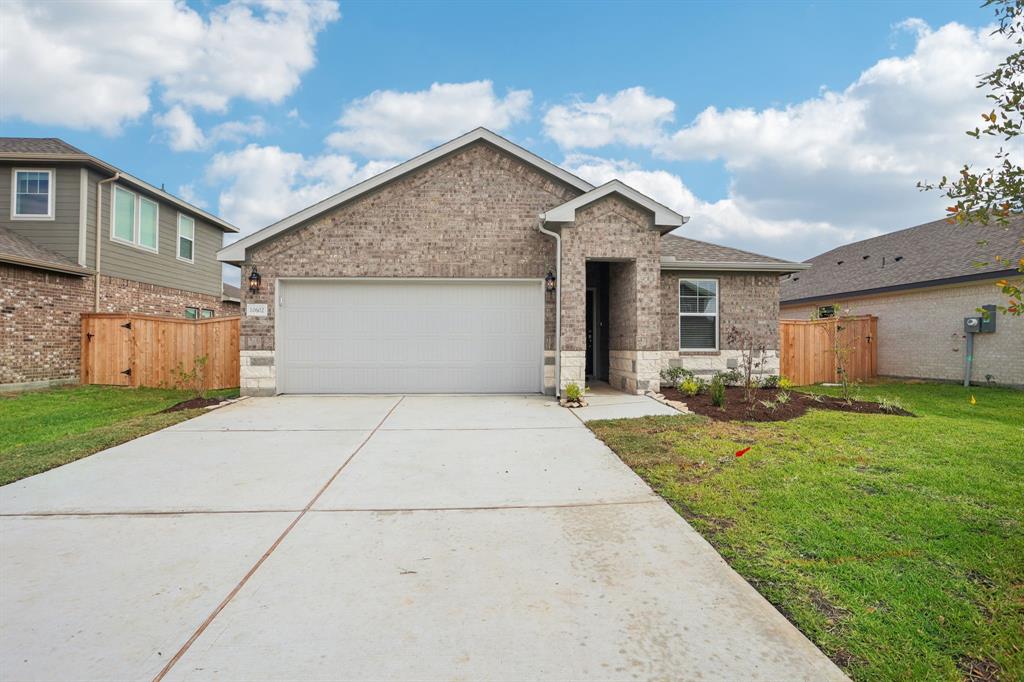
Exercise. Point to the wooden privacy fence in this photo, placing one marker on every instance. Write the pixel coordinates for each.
(144, 350)
(807, 355)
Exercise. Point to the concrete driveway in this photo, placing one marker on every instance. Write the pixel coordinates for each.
(424, 537)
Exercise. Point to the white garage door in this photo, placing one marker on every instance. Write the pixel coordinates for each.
(410, 336)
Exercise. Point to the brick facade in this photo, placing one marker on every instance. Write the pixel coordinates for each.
(471, 214)
(613, 229)
(747, 302)
(921, 333)
(474, 214)
(40, 327)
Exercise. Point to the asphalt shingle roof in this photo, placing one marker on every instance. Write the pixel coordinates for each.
(682, 248)
(36, 145)
(15, 248)
(933, 251)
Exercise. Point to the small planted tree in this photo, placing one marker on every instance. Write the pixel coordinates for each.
(752, 359)
(841, 344)
(193, 380)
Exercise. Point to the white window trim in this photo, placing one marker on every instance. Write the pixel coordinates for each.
(177, 246)
(52, 199)
(137, 200)
(718, 321)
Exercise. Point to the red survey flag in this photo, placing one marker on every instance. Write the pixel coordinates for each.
(740, 453)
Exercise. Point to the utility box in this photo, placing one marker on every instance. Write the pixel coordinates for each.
(972, 325)
(988, 321)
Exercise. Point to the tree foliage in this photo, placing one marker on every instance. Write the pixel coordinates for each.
(995, 195)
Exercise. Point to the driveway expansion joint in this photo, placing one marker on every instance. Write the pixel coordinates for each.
(266, 555)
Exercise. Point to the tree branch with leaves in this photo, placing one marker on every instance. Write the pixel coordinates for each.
(995, 195)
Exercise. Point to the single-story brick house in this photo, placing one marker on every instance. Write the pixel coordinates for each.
(480, 267)
(921, 283)
(78, 235)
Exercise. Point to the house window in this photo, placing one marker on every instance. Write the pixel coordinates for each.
(186, 238)
(33, 194)
(192, 313)
(826, 311)
(206, 313)
(698, 314)
(136, 219)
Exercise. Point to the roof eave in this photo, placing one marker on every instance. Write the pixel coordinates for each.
(45, 265)
(665, 219)
(34, 157)
(945, 281)
(235, 253)
(732, 266)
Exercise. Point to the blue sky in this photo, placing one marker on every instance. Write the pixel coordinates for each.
(785, 128)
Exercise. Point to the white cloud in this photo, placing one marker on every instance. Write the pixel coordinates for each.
(727, 221)
(96, 65)
(181, 130)
(394, 124)
(846, 159)
(262, 184)
(183, 134)
(629, 116)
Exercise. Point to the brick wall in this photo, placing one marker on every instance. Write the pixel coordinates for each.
(747, 302)
(470, 214)
(39, 324)
(40, 327)
(920, 333)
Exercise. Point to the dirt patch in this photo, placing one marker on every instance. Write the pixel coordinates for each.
(978, 669)
(194, 404)
(765, 405)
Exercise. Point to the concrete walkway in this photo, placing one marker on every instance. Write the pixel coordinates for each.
(415, 538)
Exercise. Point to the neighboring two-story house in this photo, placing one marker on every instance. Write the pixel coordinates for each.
(79, 235)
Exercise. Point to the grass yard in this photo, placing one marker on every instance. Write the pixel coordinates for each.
(896, 544)
(40, 430)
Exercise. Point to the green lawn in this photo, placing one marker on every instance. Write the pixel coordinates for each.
(894, 543)
(40, 430)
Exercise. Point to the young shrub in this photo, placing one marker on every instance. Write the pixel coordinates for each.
(889, 404)
(573, 392)
(769, 405)
(717, 390)
(782, 397)
(691, 386)
(770, 381)
(673, 376)
(193, 380)
(785, 384)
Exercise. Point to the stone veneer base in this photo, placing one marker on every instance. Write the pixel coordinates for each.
(257, 374)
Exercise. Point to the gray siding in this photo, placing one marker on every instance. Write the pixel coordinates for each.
(163, 268)
(61, 233)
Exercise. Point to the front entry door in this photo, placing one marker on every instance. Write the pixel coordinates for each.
(591, 338)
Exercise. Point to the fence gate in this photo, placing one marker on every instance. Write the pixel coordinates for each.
(807, 355)
(145, 350)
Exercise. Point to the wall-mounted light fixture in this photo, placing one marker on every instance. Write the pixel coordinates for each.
(549, 282)
(254, 280)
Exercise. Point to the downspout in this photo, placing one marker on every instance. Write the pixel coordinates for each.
(99, 210)
(558, 304)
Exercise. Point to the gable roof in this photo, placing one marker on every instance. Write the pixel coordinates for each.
(43, 149)
(235, 253)
(934, 253)
(20, 250)
(681, 253)
(664, 217)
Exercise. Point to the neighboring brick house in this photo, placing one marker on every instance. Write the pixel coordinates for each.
(156, 255)
(443, 275)
(921, 283)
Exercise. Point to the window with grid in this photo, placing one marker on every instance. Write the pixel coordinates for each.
(698, 314)
(33, 194)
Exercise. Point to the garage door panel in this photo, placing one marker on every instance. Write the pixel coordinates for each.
(372, 336)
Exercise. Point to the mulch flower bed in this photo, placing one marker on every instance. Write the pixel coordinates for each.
(194, 403)
(737, 409)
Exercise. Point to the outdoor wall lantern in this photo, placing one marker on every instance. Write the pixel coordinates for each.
(549, 281)
(254, 280)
